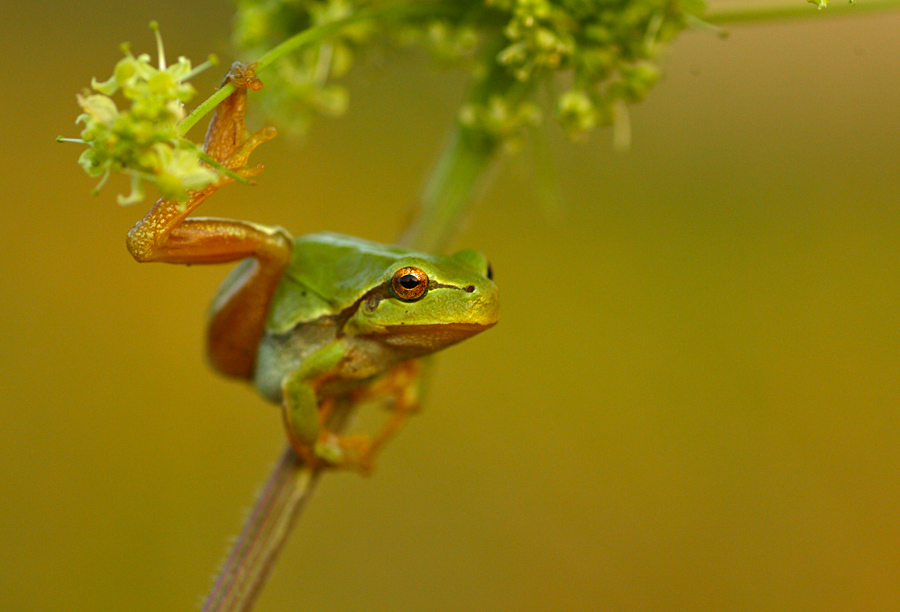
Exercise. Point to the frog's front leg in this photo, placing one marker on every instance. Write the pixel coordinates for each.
(306, 414)
(401, 387)
(166, 234)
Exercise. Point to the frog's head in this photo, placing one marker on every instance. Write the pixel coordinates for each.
(426, 302)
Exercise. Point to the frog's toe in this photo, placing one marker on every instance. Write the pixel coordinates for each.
(346, 452)
(237, 161)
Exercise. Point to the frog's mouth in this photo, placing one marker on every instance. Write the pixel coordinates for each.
(433, 336)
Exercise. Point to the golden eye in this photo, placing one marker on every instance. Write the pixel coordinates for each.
(409, 283)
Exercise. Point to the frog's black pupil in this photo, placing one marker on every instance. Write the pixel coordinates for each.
(408, 281)
(490, 272)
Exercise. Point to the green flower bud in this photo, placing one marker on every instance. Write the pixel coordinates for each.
(170, 187)
(576, 112)
(162, 84)
(125, 71)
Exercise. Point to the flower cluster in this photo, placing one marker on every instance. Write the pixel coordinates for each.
(143, 140)
(607, 51)
(610, 49)
(593, 57)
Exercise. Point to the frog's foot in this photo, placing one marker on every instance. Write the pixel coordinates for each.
(243, 75)
(228, 141)
(357, 452)
(306, 418)
(338, 453)
(347, 452)
(237, 161)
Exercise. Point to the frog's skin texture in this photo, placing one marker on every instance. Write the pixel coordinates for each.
(338, 289)
(322, 318)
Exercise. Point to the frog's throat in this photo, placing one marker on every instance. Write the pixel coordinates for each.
(431, 337)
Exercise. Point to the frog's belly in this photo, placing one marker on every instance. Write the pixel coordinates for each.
(365, 358)
(280, 354)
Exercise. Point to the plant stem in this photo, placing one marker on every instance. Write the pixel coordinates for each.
(453, 183)
(279, 505)
(291, 44)
(762, 13)
(265, 532)
(464, 165)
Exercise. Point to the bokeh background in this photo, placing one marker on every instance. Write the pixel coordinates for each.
(691, 402)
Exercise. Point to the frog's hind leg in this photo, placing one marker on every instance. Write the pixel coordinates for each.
(167, 234)
(401, 386)
(238, 315)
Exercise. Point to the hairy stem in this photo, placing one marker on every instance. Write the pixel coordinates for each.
(266, 530)
(254, 553)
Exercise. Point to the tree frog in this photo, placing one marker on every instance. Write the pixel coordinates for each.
(322, 318)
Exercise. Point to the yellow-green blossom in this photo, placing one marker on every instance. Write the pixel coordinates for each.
(142, 139)
(500, 120)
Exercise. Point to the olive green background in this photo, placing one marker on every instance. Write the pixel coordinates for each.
(690, 403)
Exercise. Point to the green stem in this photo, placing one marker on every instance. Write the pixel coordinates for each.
(464, 165)
(452, 186)
(796, 10)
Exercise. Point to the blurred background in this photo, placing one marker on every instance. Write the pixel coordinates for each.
(690, 403)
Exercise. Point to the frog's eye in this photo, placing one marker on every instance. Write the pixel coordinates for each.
(409, 283)
(490, 272)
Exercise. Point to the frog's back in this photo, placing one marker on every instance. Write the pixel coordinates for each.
(328, 273)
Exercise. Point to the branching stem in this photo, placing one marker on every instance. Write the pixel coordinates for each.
(764, 13)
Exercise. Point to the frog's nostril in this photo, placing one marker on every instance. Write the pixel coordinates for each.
(470, 289)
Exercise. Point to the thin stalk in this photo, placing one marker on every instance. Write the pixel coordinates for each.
(763, 13)
(464, 165)
(265, 532)
(254, 553)
(455, 180)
